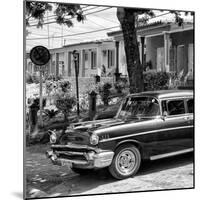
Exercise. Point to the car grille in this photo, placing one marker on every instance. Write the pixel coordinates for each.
(72, 151)
(71, 155)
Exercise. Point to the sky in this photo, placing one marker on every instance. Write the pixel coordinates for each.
(97, 19)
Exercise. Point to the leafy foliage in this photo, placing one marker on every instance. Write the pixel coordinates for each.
(121, 85)
(105, 91)
(63, 98)
(84, 102)
(155, 80)
(63, 12)
(37, 11)
(65, 101)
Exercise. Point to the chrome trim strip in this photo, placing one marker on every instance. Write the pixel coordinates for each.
(75, 146)
(73, 161)
(146, 132)
(69, 153)
(165, 155)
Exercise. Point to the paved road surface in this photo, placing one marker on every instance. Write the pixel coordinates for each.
(45, 179)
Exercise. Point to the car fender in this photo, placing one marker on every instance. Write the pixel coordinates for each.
(131, 141)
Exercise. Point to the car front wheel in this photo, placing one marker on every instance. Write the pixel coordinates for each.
(126, 162)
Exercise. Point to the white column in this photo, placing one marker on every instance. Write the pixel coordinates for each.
(166, 51)
(65, 63)
(98, 72)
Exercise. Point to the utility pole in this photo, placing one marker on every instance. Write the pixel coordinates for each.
(40, 56)
(41, 99)
(48, 29)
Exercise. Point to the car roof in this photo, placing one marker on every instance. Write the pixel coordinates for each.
(162, 94)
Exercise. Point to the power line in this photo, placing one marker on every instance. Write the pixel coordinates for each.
(106, 19)
(55, 30)
(96, 23)
(58, 27)
(75, 34)
(52, 22)
(52, 16)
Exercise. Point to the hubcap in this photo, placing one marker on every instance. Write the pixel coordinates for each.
(125, 162)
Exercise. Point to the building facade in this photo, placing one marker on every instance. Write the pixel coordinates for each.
(167, 47)
(94, 58)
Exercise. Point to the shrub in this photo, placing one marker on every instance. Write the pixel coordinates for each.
(65, 86)
(155, 80)
(84, 102)
(65, 101)
(121, 85)
(52, 77)
(65, 104)
(104, 91)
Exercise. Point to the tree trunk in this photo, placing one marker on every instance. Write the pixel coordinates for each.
(126, 16)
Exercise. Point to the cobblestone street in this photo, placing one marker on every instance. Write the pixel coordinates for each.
(45, 179)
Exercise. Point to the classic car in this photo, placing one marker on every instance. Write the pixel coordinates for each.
(148, 125)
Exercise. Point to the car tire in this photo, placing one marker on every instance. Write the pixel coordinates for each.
(81, 171)
(126, 162)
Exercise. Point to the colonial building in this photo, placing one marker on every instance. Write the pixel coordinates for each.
(163, 47)
(94, 58)
(166, 46)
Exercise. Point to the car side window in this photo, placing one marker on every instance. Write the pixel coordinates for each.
(176, 107)
(190, 105)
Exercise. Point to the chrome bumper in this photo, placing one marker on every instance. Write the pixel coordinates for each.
(98, 159)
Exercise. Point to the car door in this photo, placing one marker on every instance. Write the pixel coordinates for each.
(190, 119)
(190, 111)
(177, 127)
(177, 131)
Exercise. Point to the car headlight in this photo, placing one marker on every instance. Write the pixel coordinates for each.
(94, 139)
(53, 137)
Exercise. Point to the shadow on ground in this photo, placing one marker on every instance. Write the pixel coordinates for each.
(82, 184)
(166, 163)
(72, 184)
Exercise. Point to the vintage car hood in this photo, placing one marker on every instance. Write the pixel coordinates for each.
(101, 124)
(80, 133)
(96, 124)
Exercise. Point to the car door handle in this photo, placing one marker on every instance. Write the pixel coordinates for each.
(187, 118)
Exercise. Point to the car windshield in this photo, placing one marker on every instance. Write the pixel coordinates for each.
(139, 107)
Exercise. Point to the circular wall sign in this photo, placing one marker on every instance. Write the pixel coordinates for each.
(39, 55)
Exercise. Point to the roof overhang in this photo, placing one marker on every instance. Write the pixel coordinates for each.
(156, 30)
